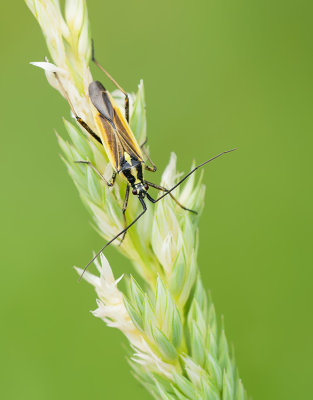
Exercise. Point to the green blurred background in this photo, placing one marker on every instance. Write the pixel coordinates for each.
(218, 74)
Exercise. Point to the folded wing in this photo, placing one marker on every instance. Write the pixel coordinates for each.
(116, 135)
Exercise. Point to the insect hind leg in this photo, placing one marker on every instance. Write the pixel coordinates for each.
(78, 119)
(88, 129)
(94, 60)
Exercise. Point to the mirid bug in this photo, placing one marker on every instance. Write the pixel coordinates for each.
(127, 158)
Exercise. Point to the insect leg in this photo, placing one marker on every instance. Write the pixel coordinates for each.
(174, 198)
(124, 210)
(148, 167)
(186, 176)
(78, 119)
(143, 143)
(109, 183)
(118, 235)
(112, 80)
(88, 129)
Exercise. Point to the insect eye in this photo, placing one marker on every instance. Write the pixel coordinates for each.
(146, 186)
(134, 191)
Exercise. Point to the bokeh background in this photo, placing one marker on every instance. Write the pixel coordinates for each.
(218, 74)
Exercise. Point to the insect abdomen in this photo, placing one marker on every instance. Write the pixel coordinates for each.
(132, 169)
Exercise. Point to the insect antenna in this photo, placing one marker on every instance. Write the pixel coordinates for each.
(145, 207)
(115, 237)
(186, 176)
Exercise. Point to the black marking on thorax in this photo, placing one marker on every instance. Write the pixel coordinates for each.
(132, 170)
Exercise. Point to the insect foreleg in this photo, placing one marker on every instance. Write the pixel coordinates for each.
(109, 183)
(174, 198)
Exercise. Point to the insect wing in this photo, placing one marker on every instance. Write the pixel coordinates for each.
(116, 135)
(101, 99)
(126, 136)
(110, 141)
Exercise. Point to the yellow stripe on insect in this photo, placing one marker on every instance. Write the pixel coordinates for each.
(127, 158)
(133, 170)
(123, 151)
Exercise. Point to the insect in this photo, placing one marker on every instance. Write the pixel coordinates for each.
(126, 156)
